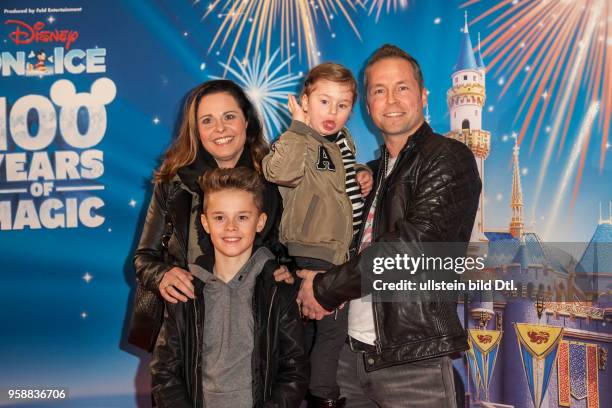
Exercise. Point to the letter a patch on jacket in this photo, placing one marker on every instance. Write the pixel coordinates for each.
(324, 162)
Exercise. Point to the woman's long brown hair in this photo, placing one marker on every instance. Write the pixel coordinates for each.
(183, 150)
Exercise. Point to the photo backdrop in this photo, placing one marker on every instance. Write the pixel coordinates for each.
(90, 93)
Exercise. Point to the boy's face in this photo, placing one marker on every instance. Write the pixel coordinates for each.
(328, 106)
(232, 219)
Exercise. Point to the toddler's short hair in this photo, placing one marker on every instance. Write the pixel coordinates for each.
(332, 72)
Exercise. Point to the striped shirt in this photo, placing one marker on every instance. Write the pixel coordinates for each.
(352, 188)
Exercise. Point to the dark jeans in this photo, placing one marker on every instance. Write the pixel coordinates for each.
(421, 384)
(324, 339)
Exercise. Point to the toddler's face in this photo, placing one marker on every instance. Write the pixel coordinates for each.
(328, 106)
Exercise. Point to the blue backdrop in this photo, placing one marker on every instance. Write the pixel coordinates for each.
(76, 158)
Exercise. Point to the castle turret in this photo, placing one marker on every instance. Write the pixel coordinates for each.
(516, 224)
(466, 99)
(479, 62)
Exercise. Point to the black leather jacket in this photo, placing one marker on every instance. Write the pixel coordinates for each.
(279, 363)
(164, 239)
(431, 195)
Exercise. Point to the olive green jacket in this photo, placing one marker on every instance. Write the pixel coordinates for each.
(317, 220)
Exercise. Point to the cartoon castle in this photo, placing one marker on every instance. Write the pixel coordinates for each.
(466, 98)
(553, 288)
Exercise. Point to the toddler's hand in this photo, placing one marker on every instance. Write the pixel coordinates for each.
(297, 113)
(365, 181)
(282, 274)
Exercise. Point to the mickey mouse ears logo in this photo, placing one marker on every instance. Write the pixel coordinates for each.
(64, 94)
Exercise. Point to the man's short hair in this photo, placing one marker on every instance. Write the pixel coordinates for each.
(392, 51)
(237, 178)
(332, 72)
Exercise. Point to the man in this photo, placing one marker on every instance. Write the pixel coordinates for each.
(426, 190)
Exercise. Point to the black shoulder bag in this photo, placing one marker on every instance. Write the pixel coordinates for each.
(148, 306)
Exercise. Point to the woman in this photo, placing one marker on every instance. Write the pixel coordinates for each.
(219, 128)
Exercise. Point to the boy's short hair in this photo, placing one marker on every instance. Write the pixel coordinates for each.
(393, 51)
(332, 72)
(237, 178)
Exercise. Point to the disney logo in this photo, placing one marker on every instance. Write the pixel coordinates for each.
(26, 34)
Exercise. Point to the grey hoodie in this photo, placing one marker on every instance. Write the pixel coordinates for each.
(228, 336)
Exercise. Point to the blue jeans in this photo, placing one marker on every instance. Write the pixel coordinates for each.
(421, 384)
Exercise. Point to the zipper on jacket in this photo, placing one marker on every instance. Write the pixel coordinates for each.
(383, 177)
(197, 342)
(377, 342)
(346, 198)
(180, 241)
(265, 390)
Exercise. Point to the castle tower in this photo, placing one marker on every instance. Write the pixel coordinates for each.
(516, 223)
(466, 99)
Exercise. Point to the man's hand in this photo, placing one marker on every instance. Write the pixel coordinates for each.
(297, 113)
(306, 301)
(365, 181)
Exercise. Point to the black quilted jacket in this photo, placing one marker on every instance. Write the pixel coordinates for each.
(431, 195)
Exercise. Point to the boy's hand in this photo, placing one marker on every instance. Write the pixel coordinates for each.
(365, 181)
(297, 113)
(282, 274)
(175, 283)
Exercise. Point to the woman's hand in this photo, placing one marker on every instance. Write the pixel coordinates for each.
(282, 274)
(365, 181)
(175, 284)
(297, 113)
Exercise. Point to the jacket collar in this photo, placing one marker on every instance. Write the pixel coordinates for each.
(203, 161)
(303, 129)
(202, 268)
(416, 139)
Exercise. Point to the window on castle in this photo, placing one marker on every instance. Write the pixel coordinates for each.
(456, 79)
(474, 77)
(465, 124)
(475, 113)
(530, 290)
(465, 77)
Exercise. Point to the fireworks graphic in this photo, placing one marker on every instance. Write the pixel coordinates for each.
(267, 87)
(563, 49)
(585, 130)
(290, 22)
(378, 5)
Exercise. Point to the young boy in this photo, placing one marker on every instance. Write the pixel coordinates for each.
(322, 188)
(239, 343)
